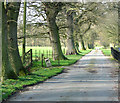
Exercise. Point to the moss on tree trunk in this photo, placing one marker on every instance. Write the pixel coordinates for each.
(57, 51)
(12, 16)
(7, 70)
(82, 42)
(52, 9)
(77, 47)
(70, 39)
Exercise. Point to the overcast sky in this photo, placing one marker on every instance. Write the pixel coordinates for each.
(30, 15)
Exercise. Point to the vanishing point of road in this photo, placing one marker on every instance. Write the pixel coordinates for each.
(92, 78)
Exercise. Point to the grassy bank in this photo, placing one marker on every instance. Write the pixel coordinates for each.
(106, 52)
(37, 75)
(11, 86)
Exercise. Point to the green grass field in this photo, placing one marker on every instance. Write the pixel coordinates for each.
(106, 52)
(39, 50)
(37, 74)
(47, 51)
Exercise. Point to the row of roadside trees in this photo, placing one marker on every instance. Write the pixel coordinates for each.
(71, 21)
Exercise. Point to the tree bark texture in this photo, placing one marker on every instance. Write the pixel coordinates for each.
(90, 46)
(7, 70)
(82, 42)
(12, 13)
(52, 9)
(119, 24)
(70, 39)
(77, 47)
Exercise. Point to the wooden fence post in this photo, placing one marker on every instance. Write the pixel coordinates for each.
(47, 54)
(39, 54)
(58, 60)
(31, 56)
(35, 55)
(43, 52)
(42, 59)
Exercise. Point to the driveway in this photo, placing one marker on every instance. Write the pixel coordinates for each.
(92, 78)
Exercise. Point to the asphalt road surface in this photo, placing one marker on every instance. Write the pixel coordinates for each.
(92, 78)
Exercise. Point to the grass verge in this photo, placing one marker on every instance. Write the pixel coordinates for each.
(106, 52)
(37, 75)
(10, 86)
(71, 59)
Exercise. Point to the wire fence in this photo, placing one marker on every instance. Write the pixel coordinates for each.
(38, 55)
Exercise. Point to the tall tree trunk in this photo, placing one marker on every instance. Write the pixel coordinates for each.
(70, 39)
(119, 24)
(82, 42)
(52, 9)
(77, 47)
(90, 46)
(12, 16)
(7, 70)
(0, 40)
(119, 44)
(55, 40)
(24, 32)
